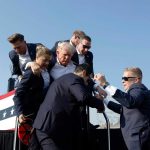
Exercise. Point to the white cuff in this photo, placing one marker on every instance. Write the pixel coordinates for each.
(111, 90)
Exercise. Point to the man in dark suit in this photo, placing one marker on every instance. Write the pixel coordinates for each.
(134, 108)
(22, 53)
(31, 91)
(32, 88)
(58, 123)
(83, 55)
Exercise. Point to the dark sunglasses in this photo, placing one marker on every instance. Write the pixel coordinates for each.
(85, 46)
(127, 78)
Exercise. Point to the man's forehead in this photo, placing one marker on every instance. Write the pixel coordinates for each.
(128, 72)
(17, 43)
(65, 51)
(85, 41)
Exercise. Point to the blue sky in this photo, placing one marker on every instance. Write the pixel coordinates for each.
(120, 31)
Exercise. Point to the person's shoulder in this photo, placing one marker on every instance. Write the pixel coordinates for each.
(138, 87)
(33, 45)
(66, 78)
(12, 54)
(73, 77)
(28, 72)
(90, 53)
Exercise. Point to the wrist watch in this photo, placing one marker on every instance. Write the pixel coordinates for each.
(105, 85)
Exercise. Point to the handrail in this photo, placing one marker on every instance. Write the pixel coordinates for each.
(108, 128)
(15, 134)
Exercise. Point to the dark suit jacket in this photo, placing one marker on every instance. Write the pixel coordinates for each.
(15, 58)
(135, 114)
(88, 61)
(29, 94)
(59, 114)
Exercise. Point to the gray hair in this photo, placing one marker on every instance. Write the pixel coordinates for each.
(67, 46)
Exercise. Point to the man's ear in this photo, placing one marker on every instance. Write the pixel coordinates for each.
(137, 80)
(57, 51)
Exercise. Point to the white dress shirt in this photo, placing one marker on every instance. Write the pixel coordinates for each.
(81, 58)
(24, 59)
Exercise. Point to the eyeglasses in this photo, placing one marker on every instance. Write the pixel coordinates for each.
(86, 46)
(127, 78)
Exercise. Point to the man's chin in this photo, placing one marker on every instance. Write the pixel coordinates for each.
(65, 63)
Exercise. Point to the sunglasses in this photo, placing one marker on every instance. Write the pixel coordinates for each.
(85, 46)
(127, 78)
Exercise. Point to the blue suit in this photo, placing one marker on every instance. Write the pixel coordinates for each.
(135, 116)
(59, 114)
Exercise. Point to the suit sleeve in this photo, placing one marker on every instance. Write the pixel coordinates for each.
(114, 107)
(81, 94)
(22, 91)
(15, 63)
(133, 99)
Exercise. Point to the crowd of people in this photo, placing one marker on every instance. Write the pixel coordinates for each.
(55, 85)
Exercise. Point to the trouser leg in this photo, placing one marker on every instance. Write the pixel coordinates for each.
(45, 141)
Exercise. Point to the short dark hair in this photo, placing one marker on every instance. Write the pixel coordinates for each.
(82, 67)
(86, 37)
(16, 37)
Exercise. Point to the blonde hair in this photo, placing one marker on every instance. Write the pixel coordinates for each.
(41, 50)
(135, 70)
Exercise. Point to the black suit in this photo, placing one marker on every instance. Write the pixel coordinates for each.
(59, 114)
(15, 58)
(88, 60)
(29, 94)
(135, 116)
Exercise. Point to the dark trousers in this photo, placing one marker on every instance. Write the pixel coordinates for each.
(41, 141)
(45, 141)
(145, 138)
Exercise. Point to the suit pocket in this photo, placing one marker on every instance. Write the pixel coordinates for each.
(134, 134)
(144, 135)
